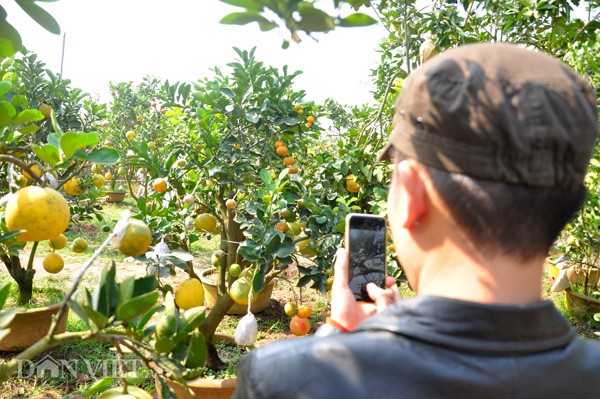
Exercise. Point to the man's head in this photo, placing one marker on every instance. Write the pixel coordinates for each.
(505, 135)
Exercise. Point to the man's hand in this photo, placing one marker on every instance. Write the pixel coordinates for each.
(345, 310)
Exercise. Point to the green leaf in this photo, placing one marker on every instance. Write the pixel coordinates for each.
(8, 236)
(10, 40)
(79, 311)
(258, 282)
(105, 297)
(47, 153)
(141, 203)
(4, 291)
(5, 88)
(136, 306)
(266, 177)
(7, 315)
(285, 250)
(248, 4)
(104, 156)
(57, 130)
(227, 92)
(243, 18)
(145, 318)
(28, 115)
(181, 254)
(39, 15)
(166, 392)
(96, 317)
(126, 289)
(315, 20)
(28, 129)
(357, 19)
(7, 113)
(71, 142)
(99, 386)
(197, 351)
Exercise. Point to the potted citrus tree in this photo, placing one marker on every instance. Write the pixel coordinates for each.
(36, 159)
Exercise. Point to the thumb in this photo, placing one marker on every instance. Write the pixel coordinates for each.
(340, 268)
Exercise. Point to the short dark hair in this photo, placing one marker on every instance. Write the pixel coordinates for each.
(506, 218)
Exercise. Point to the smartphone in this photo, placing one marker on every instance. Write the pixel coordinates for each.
(366, 239)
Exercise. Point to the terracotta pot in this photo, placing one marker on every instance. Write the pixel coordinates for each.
(202, 388)
(259, 303)
(115, 196)
(577, 302)
(577, 275)
(31, 325)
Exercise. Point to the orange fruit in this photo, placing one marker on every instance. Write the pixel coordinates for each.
(279, 143)
(230, 203)
(297, 106)
(290, 309)
(43, 212)
(206, 222)
(303, 311)
(329, 283)
(282, 226)
(282, 151)
(53, 263)
(293, 170)
(160, 185)
(108, 176)
(299, 326)
(287, 161)
(310, 119)
(189, 294)
(136, 240)
(74, 187)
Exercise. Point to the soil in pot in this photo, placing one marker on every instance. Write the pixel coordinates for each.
(260, 302)
(577, 302)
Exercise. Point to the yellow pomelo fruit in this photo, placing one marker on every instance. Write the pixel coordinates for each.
(189, 294)
(133, 392)
(136, 240)
(206, 222)
(240, 289)
(98, 180)
(35, 169)
(73, 187)
(43, 212)
(351, 184)
(79, 245)
(58, 242)
(53, 263)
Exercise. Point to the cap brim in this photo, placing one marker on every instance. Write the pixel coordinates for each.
(386, 154)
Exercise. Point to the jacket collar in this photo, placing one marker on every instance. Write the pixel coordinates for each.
(477, 327)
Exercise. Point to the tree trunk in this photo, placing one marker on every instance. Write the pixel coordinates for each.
(22, 276)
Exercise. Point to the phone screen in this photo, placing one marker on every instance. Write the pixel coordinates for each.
(366, 241)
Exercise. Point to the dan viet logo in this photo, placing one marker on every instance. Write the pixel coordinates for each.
(49, 367)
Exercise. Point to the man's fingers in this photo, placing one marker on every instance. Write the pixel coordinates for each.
(382, 297)
(340, 268)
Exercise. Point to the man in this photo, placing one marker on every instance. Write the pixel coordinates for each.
(490, 145)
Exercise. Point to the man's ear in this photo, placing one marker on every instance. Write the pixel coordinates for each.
(409, 175)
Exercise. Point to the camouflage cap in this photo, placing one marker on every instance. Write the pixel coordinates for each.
(498, 112)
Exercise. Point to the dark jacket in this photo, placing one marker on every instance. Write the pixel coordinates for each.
(431, 347)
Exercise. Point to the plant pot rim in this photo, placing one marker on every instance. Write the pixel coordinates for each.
(41, 308)
(209, 270)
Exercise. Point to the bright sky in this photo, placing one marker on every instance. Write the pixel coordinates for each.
(180, 40)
